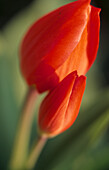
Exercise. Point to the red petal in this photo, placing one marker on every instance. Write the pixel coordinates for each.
(69, 33)
(74, 102)
(93, 35)
(78, 60)
(85, 52)
(44, 77)
(51, 114)
(54, 37)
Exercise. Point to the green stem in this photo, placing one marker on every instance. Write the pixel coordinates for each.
(20, 150)
(34, 155)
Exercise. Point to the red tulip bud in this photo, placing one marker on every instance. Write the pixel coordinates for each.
(60, 42)
(60, 108)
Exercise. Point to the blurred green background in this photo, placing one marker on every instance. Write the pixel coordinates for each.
(85, 146)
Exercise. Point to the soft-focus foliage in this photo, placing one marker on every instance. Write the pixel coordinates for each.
(86, 144)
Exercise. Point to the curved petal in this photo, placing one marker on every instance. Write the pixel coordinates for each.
(74, 102)
(93, 29)
(78, 60)
(54, 37)
(85, 52)
(44, 77)
(53, 107)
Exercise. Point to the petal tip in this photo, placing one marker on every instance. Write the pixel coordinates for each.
(82, 78)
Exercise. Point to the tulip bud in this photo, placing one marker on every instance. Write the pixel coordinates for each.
(60, 108)
(59, 43)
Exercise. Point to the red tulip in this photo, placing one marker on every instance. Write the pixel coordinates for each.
(60, 108)
(63, 41)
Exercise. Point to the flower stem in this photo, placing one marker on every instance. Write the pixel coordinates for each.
(34, 155)
(20, 149)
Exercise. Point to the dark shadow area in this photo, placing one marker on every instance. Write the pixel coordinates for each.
(10, 8)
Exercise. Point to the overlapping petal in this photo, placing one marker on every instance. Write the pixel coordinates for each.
(59, 43)
(60, 108)
(83, 56)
